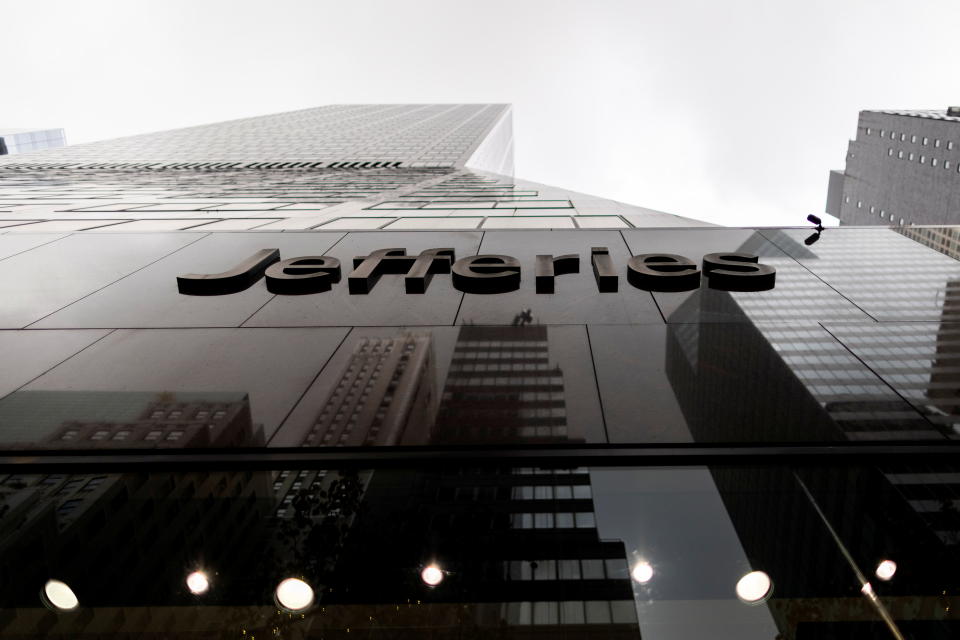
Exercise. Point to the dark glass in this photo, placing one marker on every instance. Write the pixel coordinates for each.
(40, 281)
(149, 297)
(169, 388)
(801, 363)
(513, 552)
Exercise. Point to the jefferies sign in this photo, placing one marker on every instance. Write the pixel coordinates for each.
(480, 273)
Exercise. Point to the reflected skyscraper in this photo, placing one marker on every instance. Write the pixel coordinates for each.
(502, 387)
(384, 396)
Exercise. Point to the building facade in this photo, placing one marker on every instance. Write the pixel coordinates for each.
(902, 168)
(345, 352)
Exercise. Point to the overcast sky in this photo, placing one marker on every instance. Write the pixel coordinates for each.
(732, 112)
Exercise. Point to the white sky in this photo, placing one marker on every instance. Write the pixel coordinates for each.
(731, 112)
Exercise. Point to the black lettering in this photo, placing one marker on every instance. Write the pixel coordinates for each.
(603, 271)
(429, 262)
(237, 279)
(486, 274)
(368, 269)
(663, 272)
(738, 272)
(298, 276)
(547, 268)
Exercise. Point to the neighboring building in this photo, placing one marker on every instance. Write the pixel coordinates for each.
(15, 141)
(902, 168)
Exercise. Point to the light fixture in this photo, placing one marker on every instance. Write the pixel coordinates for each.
(59, 595)
(642, 572)
(755, 587)
(886, 569)
(294, 594)
(432, 575)
(198, 583)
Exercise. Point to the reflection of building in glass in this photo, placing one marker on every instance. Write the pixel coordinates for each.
(191, 519)
(946, 240)
(168, 422)
(384, 396)
(814, 388)
(756, 381)
(502, 388)
(519, 549)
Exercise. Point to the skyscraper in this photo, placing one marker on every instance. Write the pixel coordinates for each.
(902, 168)
(336, 167)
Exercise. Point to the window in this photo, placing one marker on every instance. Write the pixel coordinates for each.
(936, 143)
(890, 151)
(883, 214)
(582, 492)
(585, 520)
(847, 199)
(903, 137)
(923, 159)
(543, 521)
(950, 144)
(569, 569)
(946, 164)
(100, 435)
(868, 130)
(933, 162)
(69, 434)
(901, 221)
(592, 569)
(174, 435)
(881, 132)
(900, 154)
(859, 204)
(925, 140)
(910, 157)
(913, 139)
(872, 209)
(153, 435)
(121, 435)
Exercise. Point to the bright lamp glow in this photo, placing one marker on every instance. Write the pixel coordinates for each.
(886, 569)
(754, 587)
(198, 582)
(431, 575)
(294, 594)
(642, 572)
(60, 595)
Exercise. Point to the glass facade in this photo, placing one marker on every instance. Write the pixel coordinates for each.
(578, 463)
